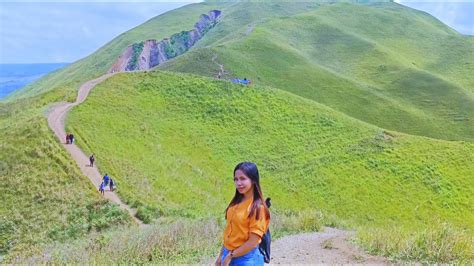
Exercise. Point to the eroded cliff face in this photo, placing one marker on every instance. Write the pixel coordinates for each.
(150, 53)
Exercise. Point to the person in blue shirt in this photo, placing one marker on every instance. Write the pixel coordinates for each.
(102, 188)
(106, 179)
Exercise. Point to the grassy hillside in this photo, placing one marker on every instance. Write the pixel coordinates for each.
(171, 141)
(44, 196)
(359, 59)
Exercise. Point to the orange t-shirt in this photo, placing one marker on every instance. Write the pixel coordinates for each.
(240, 226)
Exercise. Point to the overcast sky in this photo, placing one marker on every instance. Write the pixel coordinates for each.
(65, 31)
(458, 14)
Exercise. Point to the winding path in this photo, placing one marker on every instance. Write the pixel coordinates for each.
(56, 118)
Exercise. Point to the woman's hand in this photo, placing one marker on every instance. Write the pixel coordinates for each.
(227, 260)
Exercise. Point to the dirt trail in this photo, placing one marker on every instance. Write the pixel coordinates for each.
(56, 117)
(222, 72)
(328, 247)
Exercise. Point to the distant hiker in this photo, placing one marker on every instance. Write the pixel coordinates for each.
(248, 218)
(91, 160)
(106, 179)
(112, 185)
(67, 138)
(71, 138)
(102, 188)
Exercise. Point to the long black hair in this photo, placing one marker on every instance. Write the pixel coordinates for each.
(251, 171)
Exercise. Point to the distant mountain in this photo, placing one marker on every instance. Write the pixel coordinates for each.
(382, 63)
(16, 76)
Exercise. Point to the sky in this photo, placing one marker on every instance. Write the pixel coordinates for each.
(65, 31)
(458, 14)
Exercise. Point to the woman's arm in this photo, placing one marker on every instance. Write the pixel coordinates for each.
(250, 244)
(218, 261)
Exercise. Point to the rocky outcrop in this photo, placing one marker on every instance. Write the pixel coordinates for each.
(150, 53)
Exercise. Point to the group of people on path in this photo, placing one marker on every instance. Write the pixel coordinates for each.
(69, 138)
(106, 181)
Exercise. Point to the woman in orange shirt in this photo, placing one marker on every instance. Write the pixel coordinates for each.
(247, 218)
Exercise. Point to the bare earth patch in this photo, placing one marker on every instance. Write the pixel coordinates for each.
(328, 247)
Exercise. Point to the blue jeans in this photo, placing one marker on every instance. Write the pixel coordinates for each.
(253, 257)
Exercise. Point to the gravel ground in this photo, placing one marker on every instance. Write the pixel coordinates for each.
(328, 247)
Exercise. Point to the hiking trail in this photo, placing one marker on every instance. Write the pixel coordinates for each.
(222, 72)
(56, 117)
(330, 246)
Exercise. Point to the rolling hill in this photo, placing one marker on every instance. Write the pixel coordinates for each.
(360, 111)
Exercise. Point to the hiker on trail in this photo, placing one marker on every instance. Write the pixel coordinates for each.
(106, 179)
(248, 218)
(112, 185)
(102, 188)
(71, 138)
(67, 138)
(91, 160)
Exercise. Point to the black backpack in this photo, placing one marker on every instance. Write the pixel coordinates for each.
(264, 246)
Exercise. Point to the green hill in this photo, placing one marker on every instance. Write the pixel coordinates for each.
(352, 74)
(382, 63)
(171, 141)
(362, 60)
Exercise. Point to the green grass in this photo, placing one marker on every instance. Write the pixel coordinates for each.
(168, 240)
(171, 142)
(434, 244)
